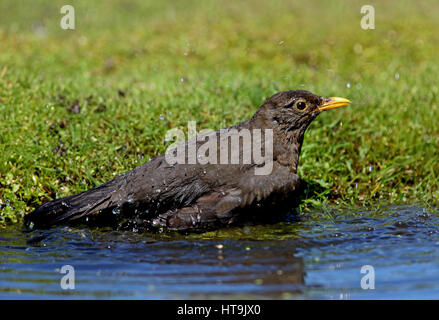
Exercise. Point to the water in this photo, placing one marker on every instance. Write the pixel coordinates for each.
(318, 257)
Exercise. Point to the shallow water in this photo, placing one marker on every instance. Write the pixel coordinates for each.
(314, 258)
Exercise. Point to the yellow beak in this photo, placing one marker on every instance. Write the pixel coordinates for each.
(333, 102)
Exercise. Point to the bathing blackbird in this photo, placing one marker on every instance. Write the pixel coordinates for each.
(208, 181)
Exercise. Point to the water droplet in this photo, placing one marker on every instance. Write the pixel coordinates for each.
(358, 48)
(348, 85)
(397, 76)
(193, 220)
(158, 191)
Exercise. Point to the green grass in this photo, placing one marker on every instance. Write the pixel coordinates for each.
(214, 62)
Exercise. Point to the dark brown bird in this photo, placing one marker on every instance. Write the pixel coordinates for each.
(192, 193)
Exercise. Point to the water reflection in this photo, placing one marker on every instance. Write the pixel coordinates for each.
(316, 257)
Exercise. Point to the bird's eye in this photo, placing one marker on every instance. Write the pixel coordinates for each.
(301, 105)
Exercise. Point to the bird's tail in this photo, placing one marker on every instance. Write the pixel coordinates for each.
(72, 208)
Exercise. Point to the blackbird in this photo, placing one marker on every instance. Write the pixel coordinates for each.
(194, 193)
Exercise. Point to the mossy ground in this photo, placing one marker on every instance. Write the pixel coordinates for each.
(80, 106)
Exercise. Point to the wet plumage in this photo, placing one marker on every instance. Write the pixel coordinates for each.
(184, 196)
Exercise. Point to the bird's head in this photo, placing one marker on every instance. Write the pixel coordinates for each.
(294, 110)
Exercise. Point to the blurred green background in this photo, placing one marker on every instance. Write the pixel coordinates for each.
(80, 106)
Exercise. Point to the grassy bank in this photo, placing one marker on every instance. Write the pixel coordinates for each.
(80, 106)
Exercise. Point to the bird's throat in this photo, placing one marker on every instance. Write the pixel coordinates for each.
(288, 145)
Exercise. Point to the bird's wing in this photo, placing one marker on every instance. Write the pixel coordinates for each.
(179, 184)
(218, 207)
